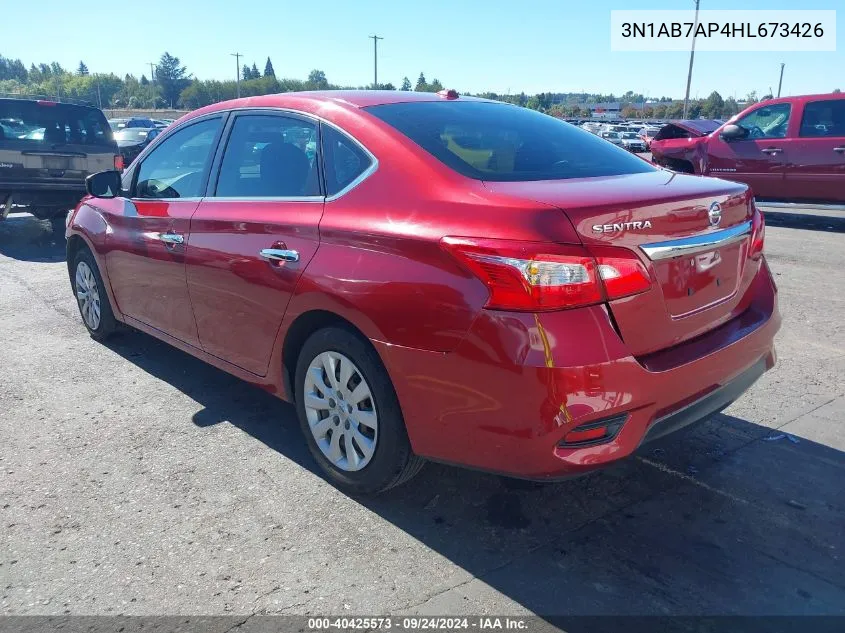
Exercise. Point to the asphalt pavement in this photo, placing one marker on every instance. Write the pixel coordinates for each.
(135, 479)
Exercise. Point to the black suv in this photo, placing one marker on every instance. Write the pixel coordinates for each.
(47, 149)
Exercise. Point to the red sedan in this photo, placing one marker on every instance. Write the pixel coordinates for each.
(428, 276)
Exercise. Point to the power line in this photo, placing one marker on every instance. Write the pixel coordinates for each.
(237, 57)
(375, 39)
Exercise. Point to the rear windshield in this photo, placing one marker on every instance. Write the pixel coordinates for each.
(52, 124)
(131, 134)
(500, 142)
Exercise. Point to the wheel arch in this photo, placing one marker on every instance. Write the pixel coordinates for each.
(302, 327)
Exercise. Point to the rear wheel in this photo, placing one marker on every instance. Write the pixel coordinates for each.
(91, 297)
(350, 415)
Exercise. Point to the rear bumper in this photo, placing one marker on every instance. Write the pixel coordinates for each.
(518, 383)
(34, 193)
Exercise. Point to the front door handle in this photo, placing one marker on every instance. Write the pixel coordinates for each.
(840, 150)
(171, 238)
(279, 255)
(771, 150)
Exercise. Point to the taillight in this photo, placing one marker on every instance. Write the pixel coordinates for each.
(758, 232)
(621, 272)
(118, 162)
(536, 276)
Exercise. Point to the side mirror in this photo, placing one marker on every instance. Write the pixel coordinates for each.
(733, 132)
(104, 184)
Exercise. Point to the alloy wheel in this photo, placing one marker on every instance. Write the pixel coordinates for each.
(88, 295)
(341, 411)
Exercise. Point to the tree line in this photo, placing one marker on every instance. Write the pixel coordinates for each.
(172, 86)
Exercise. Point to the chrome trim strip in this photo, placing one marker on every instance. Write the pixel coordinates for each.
(263, 199)
(697, 243)
(369, 171)
(812, 206)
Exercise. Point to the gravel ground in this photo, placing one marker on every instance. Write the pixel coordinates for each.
(135, 479)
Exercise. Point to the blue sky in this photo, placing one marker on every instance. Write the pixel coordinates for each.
(472, 45)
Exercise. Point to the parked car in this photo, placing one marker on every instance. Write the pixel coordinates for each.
(792, 148)
(46, 151)
(613, 137)
(447, 278)
(631, 141)
(647, 134)
(119, 124)
(131, 141)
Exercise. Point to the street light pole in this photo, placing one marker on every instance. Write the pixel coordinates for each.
(780, 81)
(375, 39)
(237, 57)
(691, 58)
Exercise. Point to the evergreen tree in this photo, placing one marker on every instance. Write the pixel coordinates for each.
(172, 78)
(82, 71)
(268, 69)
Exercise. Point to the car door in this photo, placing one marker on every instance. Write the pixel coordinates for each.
(759, 159)
(253, 236)
(148, 236)
(816, 169)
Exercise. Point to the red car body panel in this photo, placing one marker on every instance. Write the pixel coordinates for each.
(491, 389)
(794, 167)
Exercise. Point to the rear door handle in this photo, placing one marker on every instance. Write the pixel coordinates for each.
(171, 238)
(841, 150)
(771, 150)
(279, 255)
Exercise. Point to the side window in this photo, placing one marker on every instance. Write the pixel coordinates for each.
(823, 118)
(767, 121)
(344, 160)
(269, 157)
(176, 167)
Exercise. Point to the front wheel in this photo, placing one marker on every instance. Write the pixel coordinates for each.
(350, 415)
(91, 297)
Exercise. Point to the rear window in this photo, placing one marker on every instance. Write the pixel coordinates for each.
(500, 142)
(131, 134)
(52, 124)
(672, 131)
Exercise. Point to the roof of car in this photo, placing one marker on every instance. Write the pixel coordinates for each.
(817, 97)
(313, 100)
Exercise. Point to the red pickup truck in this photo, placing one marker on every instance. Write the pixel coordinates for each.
(792, 148)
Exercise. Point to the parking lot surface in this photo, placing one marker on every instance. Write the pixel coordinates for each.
(135, 479)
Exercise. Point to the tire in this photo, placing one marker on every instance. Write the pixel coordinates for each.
(91, 285)
(58, 226)
(391, 461)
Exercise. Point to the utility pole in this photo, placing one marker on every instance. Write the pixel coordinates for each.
(691, 58)
(152, 84)
(780, 81)
(237, 57)
(375, 39)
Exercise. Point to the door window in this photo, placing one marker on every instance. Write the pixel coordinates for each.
(269, 156)
(177, 167)
(767, 121)
(823, 118)
(344, 160)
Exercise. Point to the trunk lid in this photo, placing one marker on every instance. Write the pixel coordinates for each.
(696, 287)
